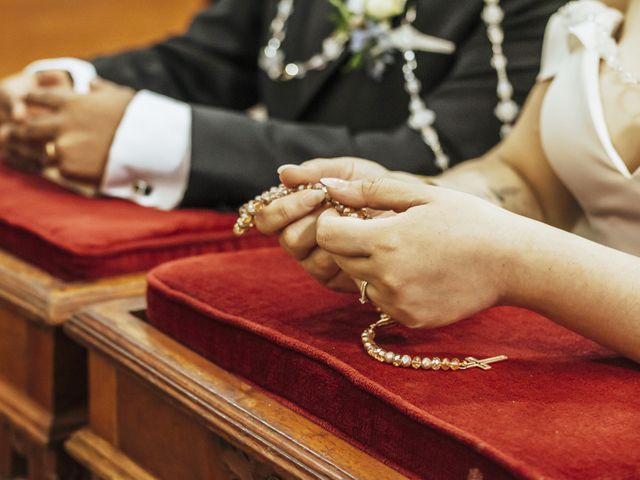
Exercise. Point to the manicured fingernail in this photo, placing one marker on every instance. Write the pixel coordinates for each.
(334, 182)
(312, 198)
(282, 168)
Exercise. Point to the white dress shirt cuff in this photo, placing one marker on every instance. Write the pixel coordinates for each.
(150, 155)
(82, 73)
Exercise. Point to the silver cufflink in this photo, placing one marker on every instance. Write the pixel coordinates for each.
(140, 187)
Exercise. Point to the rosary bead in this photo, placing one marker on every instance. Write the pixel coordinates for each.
(445, 364)
(505, 130)
(496, 34)
(422, 119)
(492, 14)
(455, 363)
(505, 89)
(507, 111)
(406, 361)
(388, 357)
(331, 48)
(416, 362)
(426, 363)
(409, 55)
(499, 62)
(436, 363)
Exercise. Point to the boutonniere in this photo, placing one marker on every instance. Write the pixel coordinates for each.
(370, 26)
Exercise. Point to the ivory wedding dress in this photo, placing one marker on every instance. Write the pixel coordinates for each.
(574, 134)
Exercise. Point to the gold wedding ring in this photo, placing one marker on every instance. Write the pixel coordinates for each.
(51, 151)
(363, 292)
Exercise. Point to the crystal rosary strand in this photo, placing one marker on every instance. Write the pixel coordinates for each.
(421, 118)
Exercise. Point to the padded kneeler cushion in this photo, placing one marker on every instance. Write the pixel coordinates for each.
(560, 408)
(77, 238)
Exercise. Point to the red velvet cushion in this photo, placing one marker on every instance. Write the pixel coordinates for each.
(561, 407)
(76, 238)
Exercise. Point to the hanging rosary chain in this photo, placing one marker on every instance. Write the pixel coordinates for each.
(417, 362)
(507, 109)
(246, 221)
(421, 118)
(271, 59)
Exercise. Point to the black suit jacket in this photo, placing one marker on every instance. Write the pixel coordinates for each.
(213, 66)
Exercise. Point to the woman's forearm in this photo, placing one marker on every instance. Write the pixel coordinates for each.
(492, 179)
(591, 289)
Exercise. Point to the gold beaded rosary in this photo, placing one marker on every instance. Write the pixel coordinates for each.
(246, 221)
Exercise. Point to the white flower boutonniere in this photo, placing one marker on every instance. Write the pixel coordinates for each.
(369, 25)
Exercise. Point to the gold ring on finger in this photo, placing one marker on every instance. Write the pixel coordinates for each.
(363, 292)
(51, 151)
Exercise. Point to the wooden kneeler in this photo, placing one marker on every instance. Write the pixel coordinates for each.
(160, 411)
(42, 372)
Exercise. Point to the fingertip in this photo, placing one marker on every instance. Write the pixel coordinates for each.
(334, 183)
(312, 198)
(294, 175)
(284, 167)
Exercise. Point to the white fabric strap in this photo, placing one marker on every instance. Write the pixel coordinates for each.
(82, 73)
(575, 25)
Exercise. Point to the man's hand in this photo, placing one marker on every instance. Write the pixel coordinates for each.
(14, 89)
(5, 108)
(82, 128)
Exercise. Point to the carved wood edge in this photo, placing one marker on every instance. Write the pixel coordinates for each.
(242, 414)
(49, 300)
(102, 458)
(34, 420)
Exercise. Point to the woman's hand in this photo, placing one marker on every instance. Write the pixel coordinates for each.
(444, 256)
(294, 217)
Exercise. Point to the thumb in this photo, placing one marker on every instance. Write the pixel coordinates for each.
(379, 194)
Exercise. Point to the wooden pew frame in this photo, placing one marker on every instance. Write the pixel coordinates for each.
(175, 398)
(42, 372)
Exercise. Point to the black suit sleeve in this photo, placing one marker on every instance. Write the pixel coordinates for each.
(213, 63)
(234, 157)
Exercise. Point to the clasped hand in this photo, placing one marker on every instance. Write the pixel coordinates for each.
(42, 108)
(431, 256)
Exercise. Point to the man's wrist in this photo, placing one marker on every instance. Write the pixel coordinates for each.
(150, 154)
